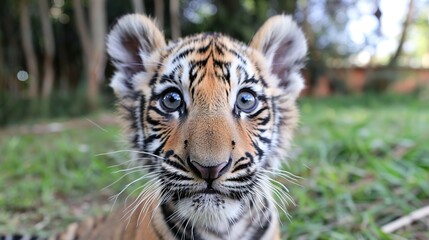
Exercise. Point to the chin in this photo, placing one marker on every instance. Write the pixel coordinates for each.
(209, 209)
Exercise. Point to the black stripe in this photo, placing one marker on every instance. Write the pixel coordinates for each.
(155, 76)
(179, 158)
(264, 120)
(219, 49)
(259, 151)
(235, 53)
(250, 157)
(151, 138)
(160, 112)
(265, 140)
(220, 63)
(158, 150)
(258, 112)
(250, 80)
(241, 178)
(167, 78)
(240, 167)
(260, 231)
(183, 54)
(242, 71)
(204, 48)
(142, 111)
(176, 165)
(176, 228)
(264, 83)
(203, 74)
(239, 161)
(135, 141)
(176, 177)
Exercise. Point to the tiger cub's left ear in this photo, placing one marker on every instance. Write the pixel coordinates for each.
(284, 46)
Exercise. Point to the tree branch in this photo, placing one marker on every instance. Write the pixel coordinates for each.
(394, 59)
(406, 220)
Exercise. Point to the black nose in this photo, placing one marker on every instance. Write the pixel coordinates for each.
(210, 173)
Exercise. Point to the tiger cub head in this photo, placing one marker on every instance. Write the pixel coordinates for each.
(209, 116)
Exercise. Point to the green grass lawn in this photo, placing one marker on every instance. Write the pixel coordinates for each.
(364, 161)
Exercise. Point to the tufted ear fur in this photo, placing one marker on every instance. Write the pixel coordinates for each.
(129, 44)
(284, 47)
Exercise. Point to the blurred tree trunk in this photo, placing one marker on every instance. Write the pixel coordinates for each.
(27, 45)
(82, 30)
(97, 63)
(394, 59)
(12, 50)
(91, 35)
(49, 47)
(3, 74)
(159, 12)
(138, 6)
(175, 19)
(63, 63)
(2, 66)
(377, 15)
(64, 73)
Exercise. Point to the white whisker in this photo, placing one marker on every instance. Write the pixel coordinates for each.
(130, 151)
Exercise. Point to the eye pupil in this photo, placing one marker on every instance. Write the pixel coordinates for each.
(172, 98)
(171, 101)
(245, 99)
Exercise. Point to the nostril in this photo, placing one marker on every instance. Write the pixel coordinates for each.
(225, 168)
(209, 172)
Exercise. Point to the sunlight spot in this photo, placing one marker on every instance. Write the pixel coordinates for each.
(198, 10)
(83, 148)
(59, 3)
(22, 75)
(362, 58)
(56, 12)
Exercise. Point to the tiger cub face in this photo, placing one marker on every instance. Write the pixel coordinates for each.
(209, 116)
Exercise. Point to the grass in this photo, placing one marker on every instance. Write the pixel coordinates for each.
(364, 162)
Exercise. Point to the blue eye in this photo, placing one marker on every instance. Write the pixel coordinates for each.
(246, 101)
(171, 100)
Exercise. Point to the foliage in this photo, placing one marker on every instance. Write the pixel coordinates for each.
(363, 162)
(19, 109)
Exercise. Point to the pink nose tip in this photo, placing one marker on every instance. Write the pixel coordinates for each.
(210, 173)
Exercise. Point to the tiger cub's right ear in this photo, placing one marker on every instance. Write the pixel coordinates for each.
(129, 44)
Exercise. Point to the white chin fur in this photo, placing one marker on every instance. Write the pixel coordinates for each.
(209, 210)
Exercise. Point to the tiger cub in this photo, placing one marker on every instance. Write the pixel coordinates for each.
(209, 120)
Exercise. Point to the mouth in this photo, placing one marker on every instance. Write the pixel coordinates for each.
(209, 190)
